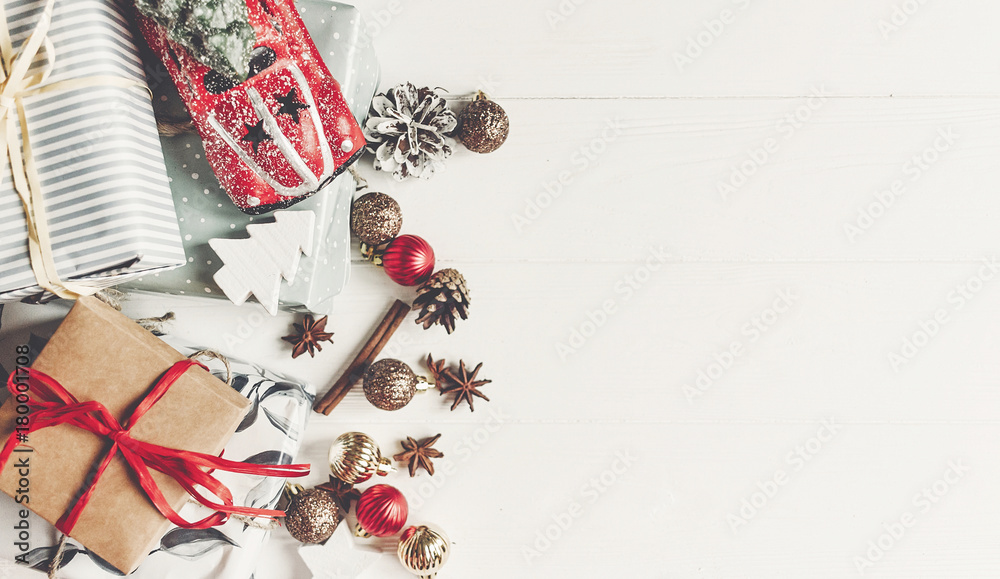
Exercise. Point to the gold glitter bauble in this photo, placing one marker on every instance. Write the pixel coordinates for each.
(355, 458)
(482, 126)
(423, 550)
(390, 384)
(376, 218)
(312, 516)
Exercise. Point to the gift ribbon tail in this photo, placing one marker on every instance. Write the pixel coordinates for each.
(68, 521)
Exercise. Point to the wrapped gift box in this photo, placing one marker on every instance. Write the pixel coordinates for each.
(105, 189)
(99, 354)
(271, 431)
(205, 211)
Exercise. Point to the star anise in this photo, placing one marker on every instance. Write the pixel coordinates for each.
(308, 335)
(343, 494)
(464, 385)
(419, 454)
(437, 370)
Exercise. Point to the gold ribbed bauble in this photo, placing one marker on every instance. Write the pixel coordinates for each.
(355, 458)
(423, 550)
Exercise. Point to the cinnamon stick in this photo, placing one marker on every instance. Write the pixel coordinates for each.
(379, 338)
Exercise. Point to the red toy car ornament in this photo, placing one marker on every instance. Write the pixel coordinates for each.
(282, 134)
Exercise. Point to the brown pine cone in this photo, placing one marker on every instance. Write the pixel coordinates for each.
(440, 298)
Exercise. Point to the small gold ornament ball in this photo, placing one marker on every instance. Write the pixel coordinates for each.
(483, 126)
(355, 458)
(376, 218)
(423, 550)
(312, 516)
(390, 384)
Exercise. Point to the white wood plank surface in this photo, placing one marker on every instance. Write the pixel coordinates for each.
(601, 48)
(818, 341)
(607, 179)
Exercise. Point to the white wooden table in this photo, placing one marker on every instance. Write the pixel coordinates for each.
(733, 279)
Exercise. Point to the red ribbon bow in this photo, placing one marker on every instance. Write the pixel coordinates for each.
(52, 405)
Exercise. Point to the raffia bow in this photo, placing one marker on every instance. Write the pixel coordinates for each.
(52, 405)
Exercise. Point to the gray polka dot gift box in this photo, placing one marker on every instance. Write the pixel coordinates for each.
(205, 212)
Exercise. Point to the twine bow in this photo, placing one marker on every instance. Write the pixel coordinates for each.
(52, 405)
(15, 85)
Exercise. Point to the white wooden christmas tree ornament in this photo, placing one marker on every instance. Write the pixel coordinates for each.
(257, 264)
(341, 557)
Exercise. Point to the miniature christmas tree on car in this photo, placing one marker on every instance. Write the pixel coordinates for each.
(216, 32)
(274, 122)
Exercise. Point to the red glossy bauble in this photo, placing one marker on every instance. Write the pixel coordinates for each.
(408, 260)
(382, 511)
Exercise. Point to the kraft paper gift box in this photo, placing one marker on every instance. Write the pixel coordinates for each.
(271, 431)
(99, 354)
(205, 211)
(98, 156)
